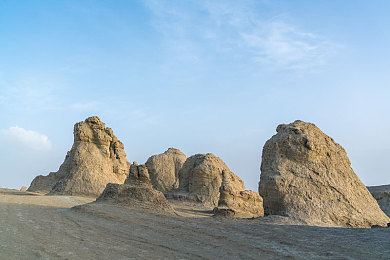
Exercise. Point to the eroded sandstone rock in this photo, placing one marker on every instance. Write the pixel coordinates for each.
(136, 192)
(138, 174)
(238, 203)
(382, 195)
(142, 196)
(307, 176)
(97, 157)
(164, 169)
(43, 184)
(201, 177)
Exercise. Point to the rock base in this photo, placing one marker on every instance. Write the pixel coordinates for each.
(141, 196)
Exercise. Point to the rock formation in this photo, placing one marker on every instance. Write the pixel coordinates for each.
(382, 195)
(164, 169)
(137, 192)
(307, 176)
(135, 196)
(44, 184)
(138, 175)
(97, 157)
(23, 188)
(236, 203)
(201, 177)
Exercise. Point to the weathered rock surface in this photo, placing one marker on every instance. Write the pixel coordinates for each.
(164, 169)
(382, 195)
(136, 192)
(138, 174)
(201, 177)
(136, 196)
(236, 203)
(44, 184)
(97, 157)
(23, 188)
(307, 176)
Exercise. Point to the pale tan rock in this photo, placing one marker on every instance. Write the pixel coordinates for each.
(382, 195)
(238, 203)
(164, 169)
(201, 177)
(23, 188)
(97, 157)
(307, 176)
(138, 174)
(142, 196)
(43, 184)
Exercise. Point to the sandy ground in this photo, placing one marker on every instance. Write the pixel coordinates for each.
(44, 227)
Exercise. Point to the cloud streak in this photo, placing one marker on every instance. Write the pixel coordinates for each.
(238, 29)
(28, 138)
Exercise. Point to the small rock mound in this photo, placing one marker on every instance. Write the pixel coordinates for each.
(382, 195)
(97, 157)
(137, 192)
(201, 177)
(164, 169)
(236, 203)
(307, 176)
(23, 188)
(135, 196)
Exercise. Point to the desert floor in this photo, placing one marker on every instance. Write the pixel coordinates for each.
(45, 227)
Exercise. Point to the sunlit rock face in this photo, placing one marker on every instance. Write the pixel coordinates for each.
(307, 176)
(97, 157)
(164, 169)
(201, 177)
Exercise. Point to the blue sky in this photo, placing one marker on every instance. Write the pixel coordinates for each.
(201, 76)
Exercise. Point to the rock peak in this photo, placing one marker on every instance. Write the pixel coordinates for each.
(172, 150)
(296, 125)
(93, 120)
(97, 157)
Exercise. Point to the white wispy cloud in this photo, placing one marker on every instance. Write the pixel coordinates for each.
(238, 29)
(29, 138)
(285, 46)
